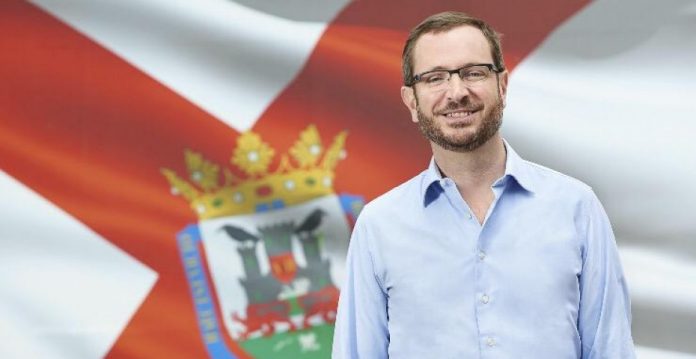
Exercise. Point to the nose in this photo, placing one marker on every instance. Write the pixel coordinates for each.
(457, 88)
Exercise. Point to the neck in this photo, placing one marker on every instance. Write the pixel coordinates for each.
(474, 169)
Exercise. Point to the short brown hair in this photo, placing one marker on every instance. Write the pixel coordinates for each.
(445, 21)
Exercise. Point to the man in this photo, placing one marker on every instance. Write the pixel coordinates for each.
(483, 255)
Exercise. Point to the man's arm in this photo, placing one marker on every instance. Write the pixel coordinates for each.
(361, 325)
(605, 309)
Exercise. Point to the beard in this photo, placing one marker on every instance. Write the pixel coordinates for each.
(490, 125)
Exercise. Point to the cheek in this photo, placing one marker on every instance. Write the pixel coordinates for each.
(434, 102)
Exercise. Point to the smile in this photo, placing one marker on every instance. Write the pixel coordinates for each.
(458, 114)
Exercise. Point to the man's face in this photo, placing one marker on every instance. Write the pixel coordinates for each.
(460, 117)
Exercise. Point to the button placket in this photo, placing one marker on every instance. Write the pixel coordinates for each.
(484, 307)
(455, 198)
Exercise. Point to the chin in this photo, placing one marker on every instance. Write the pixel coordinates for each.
(460, 133)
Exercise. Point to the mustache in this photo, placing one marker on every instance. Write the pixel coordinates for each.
(464, 105)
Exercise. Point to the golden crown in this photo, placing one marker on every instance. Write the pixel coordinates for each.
(308, 176)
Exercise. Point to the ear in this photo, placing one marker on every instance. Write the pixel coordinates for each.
(502, 85)
(408, 96)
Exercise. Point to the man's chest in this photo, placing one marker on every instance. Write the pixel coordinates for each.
(447, 256)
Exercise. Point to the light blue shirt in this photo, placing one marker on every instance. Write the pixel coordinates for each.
(540, 279)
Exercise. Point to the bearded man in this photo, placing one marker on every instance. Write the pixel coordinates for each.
(483, 254)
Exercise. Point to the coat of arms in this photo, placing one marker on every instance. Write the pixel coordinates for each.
(266, 260)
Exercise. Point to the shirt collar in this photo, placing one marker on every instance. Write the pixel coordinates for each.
(431, 186)
(515, 167)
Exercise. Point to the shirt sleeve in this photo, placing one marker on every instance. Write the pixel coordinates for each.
(604, 321)
(361, 324)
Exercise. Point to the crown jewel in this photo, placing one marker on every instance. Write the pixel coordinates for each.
(308, 175)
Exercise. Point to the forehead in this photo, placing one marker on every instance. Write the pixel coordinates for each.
(451, 49)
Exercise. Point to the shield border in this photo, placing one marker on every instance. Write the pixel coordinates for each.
(189, 241)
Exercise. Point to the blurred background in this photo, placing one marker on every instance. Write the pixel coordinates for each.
(99, 99)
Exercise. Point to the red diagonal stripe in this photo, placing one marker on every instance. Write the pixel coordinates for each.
(90, 133)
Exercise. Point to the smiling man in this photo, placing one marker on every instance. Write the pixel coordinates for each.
(483, 254)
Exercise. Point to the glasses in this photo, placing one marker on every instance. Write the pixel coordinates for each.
(438, 79)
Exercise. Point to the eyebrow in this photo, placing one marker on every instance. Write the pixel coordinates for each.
(438, 68)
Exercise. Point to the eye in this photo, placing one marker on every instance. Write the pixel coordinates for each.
(434, 78)
(475, 73)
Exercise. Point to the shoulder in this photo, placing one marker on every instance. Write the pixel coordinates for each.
(406, 197)
(549, 182)
(564, 194)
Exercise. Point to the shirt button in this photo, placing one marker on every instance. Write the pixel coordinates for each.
(485, 299)
(490, 342)
(469, 215)
(482, 255)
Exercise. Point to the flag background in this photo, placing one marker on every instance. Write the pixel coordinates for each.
(97, 96)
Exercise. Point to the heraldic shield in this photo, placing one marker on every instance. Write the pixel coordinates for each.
(267, 258)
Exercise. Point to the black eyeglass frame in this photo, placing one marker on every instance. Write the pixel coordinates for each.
(417, 78)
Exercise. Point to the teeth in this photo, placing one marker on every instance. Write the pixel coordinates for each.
(458, 114)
